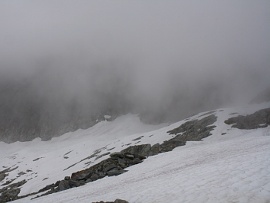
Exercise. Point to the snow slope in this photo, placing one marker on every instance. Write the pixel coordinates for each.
(232, 165)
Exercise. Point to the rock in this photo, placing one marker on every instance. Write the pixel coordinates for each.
(21, 173)
(9, 195)
(80, 175)
(138, 138)
(129, 156)
(66, 184)
(155, 149)
(11, 192)
(169, 145)
(194, 130)
(102, 202)
(120, 201)
(109, 167)
(48, 187)
(100, 169)
(122, 163)
(117, 155)
(135, 161)
(63, 185)
(259, 119)
(112, 166)
(2, 176)
(67, 178)
(73, 183)
(8, 182)
(101, 174)
(94, 177)
(140, 150)
(116, 172)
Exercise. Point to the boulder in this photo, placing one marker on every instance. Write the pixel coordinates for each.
(116, 172)
(155, 149)
(109, 167)
(129, 156)
(122, 163)
(2, 176)
(94, 177)
(117, 155)
(73, 183)
(131, 162)
(67, 184)
(80, 175)
(169, 145)
(140, 150)
(67, 178)
(63, 185)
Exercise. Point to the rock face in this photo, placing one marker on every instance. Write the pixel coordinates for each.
(194, 130)
(259, 119)
(11, 192)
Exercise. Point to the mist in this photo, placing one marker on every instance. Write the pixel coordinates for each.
(65, 64)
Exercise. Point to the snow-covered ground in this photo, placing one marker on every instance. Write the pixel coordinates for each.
(232, 165)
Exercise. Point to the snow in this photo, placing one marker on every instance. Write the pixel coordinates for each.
(235, 170)
(107, 117)
(232, 165)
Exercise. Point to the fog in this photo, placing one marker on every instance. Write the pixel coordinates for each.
(64, 64)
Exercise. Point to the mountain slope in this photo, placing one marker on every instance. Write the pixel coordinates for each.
(231, 165)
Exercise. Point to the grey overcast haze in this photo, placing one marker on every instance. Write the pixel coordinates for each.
(64, 63)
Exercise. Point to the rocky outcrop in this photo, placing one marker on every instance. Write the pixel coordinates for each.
(11, 192)
(259, 119)
(9, 195)
(61, 185)
(138, 150)
(3, 175)
(112, 166)
(194, 130)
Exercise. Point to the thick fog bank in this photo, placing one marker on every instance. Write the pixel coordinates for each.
(66, 64)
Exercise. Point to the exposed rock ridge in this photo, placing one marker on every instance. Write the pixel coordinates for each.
(194, 130)
(11, 192)
(259, 119)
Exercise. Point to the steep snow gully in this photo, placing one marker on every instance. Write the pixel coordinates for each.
(224, 157)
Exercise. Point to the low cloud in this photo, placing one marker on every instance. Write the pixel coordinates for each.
(165, 59)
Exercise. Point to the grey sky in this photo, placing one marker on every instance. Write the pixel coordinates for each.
(163, 48)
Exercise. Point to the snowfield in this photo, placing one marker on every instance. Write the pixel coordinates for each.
(231, 165)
